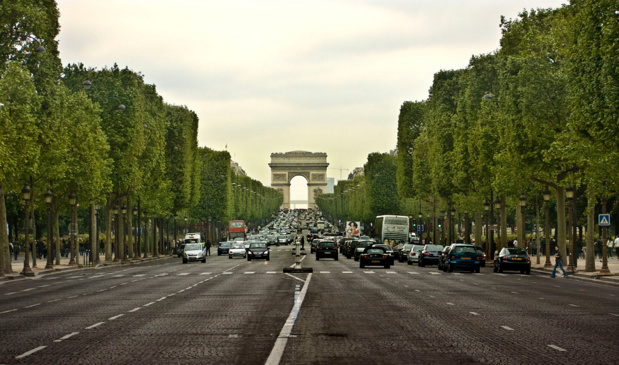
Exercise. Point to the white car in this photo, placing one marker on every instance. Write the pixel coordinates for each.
(237, 250)
(194, 252)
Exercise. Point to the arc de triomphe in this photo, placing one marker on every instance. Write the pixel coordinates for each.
(311, 165)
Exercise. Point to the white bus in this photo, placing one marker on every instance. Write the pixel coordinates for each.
(392, 228)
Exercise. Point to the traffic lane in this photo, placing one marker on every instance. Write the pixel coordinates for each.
(232, 317)
(81, 304)
(434, 307)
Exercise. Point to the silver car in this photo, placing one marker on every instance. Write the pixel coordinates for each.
(413, 254)
(194, 252)
(237, 250)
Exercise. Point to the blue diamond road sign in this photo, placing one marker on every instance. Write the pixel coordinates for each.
(604, 220)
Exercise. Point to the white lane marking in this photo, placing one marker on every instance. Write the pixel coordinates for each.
(28, 353)
(73, 296)
(413, 273)
(125, 283)
(33, 305)
(614, 314)
(474, 313)
(55, 300)
(369, 272)
(171, 295)
(13, 310)
(183, 274)
(160, 299)
(65, 337)
(94, 325)
(573, 305)
(432, 296)
(280, 344)
(180, 291)
(135, 309)
(138, 275)
(302, 258)
(449, 303)
(346, 272)
(507, 328)
(205, 273)
(390, 272)
(74, 277)
(434, 273)
(115, 317)
(294, 277)
(418, 291)
(271, 272)
(29, 289)
(102, 290)
(44, 286)
(325, 272)
(249, 272)
(11, 293)
(227, 273)
(556, 348)
(514, 292)
(147, 304)
(118, 276)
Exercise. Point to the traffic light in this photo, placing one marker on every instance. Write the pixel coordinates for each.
(414, 223)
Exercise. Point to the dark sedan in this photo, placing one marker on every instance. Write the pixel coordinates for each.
(512, 258)
(223, 248)
(258, 250)
(461, 257)
(429, 255)
(374, 256)
(326, 248)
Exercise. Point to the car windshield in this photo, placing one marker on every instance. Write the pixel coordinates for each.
(225, 244)
(193, 246)
(258, 245)
(364, 244)
(464, 249)
(327, 244)
(238, 245)
(407, 247)
(434, 247)
(417, 248)
(192, 240)
(375, 250)
(516, 251)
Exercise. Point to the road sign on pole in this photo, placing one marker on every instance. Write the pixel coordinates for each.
(603, 220)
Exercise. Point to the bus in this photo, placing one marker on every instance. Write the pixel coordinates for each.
(236, 229)
(392, 228)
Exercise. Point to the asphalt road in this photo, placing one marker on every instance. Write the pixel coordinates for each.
(239, 312)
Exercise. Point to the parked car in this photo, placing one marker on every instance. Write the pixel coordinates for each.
(374, 256)
(461, 256)
(512, 258)
(194, 252)
(326, 248)
(413, 254)
(258, 250)
(429, 255)
(223, 248)
(481, 256)
(179, 250)
(441, 257)
(237, 250)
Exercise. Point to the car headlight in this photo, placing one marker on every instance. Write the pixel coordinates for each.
(249, 252)
(266, 252)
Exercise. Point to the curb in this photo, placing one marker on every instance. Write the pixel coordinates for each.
(602, 279)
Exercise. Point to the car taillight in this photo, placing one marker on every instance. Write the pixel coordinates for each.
(413, 253)
(453, 257)
(427, 254)
(505, 257)
(528, 259)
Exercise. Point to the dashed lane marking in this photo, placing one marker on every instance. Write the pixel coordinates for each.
(138, 275)
(557, 348)
(325, 272)
(574, 305)
(135, 309)
(614, 314)
(44, 286)
(33, 305)
(390, 272)
(413, 272)
(13, 310)
(183, 274)
(435, 273)
(29, 289)
(346, 272)
(115, 317)
(66, 337)
(11, 293)
(271, 272)
(369, 272)
(474, 313)
(94, 325)
(449, 303)
(205, 273)
(28, 353)
(507, 328)
(148, 304)
(227, 273)
(249, 272)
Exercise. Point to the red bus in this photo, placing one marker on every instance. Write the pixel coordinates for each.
(236, 229)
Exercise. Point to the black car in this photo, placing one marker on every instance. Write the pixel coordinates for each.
(360, 247)
(429, 255)
(258, 250)
(180, 248)
(326, 248)
(389, 250)
(481, 256)
(442, 256)
(512, 258)
(461, 256)
(374, 256)
(223, 248)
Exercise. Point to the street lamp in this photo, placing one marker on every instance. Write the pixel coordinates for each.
(569, 193)
(522, 228)
(116, 241)
(452, 227)
(546, 194)
(497, 205)
(48, 200)
(27, 271)
(136, 242)
(186, 229)
(124, 237)
(487, 243)
(146, 225)
(73, 203)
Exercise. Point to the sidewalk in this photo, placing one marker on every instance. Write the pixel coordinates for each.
(613, 267)
(40, 269)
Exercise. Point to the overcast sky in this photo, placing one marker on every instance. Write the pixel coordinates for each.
(277, 76)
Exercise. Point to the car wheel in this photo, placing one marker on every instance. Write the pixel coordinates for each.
(421, 263)
(268, 258)
(361, 265)
(248, 258)
(336, 258)
(230, 257)
(218, 253)
(356, 258)
(528, 271)
(521, 272)
(500, 269)
(451, 268)
(387, 266)
(184, 261)
(483, 264)
(317, 258)
(409, 262)
(204, 261)
(494, 268)
(477, 269)
(472, 270)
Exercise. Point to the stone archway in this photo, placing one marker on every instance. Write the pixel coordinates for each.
(311, 165)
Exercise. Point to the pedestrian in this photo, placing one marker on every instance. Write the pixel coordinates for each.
(10, 250)
(515, 243)
(617, 245)
(208, 247)
(16, 250)
(610, 244)
(558, 263)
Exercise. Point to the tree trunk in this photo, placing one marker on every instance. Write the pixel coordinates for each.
(5, 256)
(561, 227)
(34, 233)
(503, 212)
(590, 248)
(130, 251)
(478, 229)
(56, 225)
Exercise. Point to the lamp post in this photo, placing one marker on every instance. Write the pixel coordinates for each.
(48, 199)
(546, 194)
(569, 193)
(487, 244)
(186, 229)
(420, 230)
(443, 227)
(136, 243)
(523, 203)
(497, 206)
(124, 238)
(73, 203)
(116, 241)
(452, 226)
(97, 247)
(27, 271)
